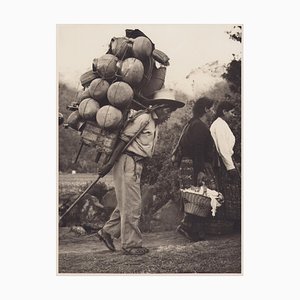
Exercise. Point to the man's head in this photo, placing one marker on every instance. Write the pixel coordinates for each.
(163, 113)
(225, 110)
(204, 107)
(165, 102)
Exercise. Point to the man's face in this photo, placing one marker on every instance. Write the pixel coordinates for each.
(163, 113)
(228, 115)
(210, 113)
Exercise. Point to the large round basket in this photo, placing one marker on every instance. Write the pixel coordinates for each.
(87, 77)
(121, 47)
(106, 66)
(196, 204)
(98, 89)
(132, 71)
(156, 82)
(109, 117)
(75, 121)
(88, 109)
(84, 94)
(142, 47)
(120, 94)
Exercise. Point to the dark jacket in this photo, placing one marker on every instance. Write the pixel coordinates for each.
(197, 144)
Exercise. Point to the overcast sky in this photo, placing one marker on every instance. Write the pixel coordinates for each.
(188, 46)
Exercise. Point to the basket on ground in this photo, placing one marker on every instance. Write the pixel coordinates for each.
(196, 204)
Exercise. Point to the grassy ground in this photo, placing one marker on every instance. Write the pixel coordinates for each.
(74, 182)
(169, 253)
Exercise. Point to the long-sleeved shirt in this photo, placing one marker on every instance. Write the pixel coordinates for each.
(224, 141)
(144, 143)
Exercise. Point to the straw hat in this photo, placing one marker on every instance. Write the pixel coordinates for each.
(164, 96)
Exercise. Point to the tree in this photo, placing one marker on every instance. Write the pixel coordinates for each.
(233, 75)
(235, 33)
(234, 79)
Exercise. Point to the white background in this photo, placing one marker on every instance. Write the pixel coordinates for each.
(270, 145)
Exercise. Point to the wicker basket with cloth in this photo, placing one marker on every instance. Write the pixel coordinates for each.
(201, 201)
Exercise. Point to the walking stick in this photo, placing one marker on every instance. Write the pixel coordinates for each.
(80, 197)
(79, 151)
(93, 183)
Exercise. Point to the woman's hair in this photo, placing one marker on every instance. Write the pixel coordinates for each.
(200, 105)
(224, 105)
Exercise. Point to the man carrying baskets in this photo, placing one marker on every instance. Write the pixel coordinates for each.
(127, 169)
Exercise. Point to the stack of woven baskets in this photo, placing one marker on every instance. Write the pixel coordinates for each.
(119, 80)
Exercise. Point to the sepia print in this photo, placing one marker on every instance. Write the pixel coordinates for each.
(149, 149)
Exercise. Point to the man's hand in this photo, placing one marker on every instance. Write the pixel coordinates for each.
(201, 178)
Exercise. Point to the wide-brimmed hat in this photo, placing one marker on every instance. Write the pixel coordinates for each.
(164, 96)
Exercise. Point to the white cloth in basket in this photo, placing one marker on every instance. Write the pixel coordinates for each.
(216, 197)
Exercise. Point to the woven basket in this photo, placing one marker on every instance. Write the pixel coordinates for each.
(196, 204)
(87, 77)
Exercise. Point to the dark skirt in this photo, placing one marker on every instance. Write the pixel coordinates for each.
(231, 190)
(186, 173)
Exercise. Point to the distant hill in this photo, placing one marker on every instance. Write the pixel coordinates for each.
(200, 80)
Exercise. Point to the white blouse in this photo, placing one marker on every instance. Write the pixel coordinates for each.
(224, 141)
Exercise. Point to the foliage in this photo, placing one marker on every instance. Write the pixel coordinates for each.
(235, 33)
(98, 190)
(78, 215)
(233, 75)
(234, 79)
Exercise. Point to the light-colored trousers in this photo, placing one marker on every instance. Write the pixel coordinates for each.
(124, 220)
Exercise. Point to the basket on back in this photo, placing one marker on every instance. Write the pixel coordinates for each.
(118, 81)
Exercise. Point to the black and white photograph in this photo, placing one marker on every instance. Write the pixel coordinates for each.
(149, 149)
(150, 161)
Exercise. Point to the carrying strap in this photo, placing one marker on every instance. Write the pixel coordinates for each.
(147, 110)
(185, 128)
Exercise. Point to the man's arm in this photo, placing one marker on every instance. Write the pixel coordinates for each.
(116, 153)
(124, 141)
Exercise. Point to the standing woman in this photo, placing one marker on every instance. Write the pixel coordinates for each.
(227, 173)
(197, 148)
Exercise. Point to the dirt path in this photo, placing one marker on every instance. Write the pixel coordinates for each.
(169, 253)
